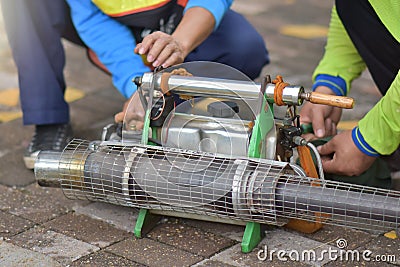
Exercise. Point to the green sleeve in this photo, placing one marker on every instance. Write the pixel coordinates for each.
(380, 127)
(341, 57)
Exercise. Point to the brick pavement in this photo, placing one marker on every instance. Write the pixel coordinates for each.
(40, 227)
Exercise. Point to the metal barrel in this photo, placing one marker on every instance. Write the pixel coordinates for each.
(342, 203)
(207, 184)
(215, 87)
(47, 169)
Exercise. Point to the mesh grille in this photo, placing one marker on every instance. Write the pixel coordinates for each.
(228, 187)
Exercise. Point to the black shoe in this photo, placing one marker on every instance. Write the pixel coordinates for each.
(53, 137)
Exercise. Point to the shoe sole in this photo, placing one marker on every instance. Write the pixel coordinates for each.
(30, 160)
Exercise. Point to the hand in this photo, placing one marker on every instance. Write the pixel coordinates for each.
(161, 49)
(132, 113)
(323, 118)
(341, 156)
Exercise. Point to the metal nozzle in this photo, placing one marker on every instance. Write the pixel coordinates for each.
(46, 169)
(51, 166)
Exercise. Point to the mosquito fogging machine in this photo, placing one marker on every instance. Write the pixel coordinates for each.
(201, 141)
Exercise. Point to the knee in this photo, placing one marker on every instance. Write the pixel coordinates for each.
(248, 53)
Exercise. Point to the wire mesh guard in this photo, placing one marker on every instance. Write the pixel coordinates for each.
(237, 188)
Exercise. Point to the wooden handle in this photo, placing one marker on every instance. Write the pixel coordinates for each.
(331, 100)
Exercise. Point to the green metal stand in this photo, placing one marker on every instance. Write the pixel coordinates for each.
(146, 129)
(145, 222)
(263, 124)
(251, 237)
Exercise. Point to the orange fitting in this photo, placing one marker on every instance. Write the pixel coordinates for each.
(278, 92)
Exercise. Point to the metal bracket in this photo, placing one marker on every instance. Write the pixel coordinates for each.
(253, 234)
(145, 222)
(263, 124)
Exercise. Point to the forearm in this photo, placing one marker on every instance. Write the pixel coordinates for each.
(196, 25)
(341, 59)
(200, 18)
(380, 127)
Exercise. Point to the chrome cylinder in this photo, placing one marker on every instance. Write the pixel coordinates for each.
(46, 169)
(51, 167)
(291, 94)
(205, 87)
(230, 89)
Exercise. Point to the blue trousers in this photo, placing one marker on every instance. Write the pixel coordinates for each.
(35, 30)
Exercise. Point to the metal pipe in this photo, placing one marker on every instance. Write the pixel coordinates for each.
(214, 87)
(337, 199)
(46, 169)
(290, 95)
(231, 89)
(236, 89)
(318, 160)
(52, 166)
(207, 184)
(208, 87)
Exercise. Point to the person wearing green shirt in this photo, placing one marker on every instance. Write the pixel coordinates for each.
(362, 33)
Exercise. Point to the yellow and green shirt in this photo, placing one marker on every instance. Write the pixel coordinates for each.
(379, 131)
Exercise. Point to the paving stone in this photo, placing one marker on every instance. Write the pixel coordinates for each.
(36, 203)
(13, 171)
(231, 231)
(5, 192)
(233, 256)
(81, 73)
(188, 238)
(211, 263)
(13, 256)
(12, 168)
(329, 234)
(104, 259)
(11, 224)
(357, 242)
(152, 253)
(279, 247)
(357, 264)
(90, 109)
(384, 248)
(60, 247)
(123, 218)
(5, 52)
(256, 7)
(84, 228)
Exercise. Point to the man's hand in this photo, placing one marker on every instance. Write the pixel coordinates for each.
(166, 50)
(132, 113)
(323, 118)
(341, 156)
(161, 49)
